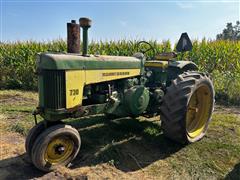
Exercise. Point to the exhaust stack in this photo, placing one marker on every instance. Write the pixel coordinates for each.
(73, 37)
(85, 23)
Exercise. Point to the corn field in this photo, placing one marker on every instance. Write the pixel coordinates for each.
(220, 58)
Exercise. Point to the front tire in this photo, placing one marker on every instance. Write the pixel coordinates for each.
(32, 136)
(187, 107)
(57, 146)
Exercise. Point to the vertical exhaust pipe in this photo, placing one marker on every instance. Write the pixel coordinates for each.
(73, 37)
(85, 23)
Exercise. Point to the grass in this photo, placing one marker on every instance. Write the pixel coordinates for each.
(137, 145)
(216, 153)
(16, 108)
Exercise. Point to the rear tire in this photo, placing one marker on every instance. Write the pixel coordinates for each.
(57, 146)
(187, 107)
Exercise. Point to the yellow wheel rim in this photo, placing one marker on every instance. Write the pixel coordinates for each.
(59, 150)
(198, 111)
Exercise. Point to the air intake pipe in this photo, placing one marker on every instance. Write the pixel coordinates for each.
(85, 23)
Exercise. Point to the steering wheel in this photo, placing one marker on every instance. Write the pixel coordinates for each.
(139, 49)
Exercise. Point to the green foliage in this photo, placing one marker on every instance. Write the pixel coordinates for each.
(221, 58)
(227, 86)
(18, 62)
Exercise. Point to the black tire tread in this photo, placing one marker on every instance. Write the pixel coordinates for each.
(174, 107)
(31, 137)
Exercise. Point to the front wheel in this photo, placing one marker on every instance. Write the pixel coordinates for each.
(57, 145)
(187, 107)
(32, 136)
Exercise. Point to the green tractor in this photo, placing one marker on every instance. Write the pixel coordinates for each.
(73, 85)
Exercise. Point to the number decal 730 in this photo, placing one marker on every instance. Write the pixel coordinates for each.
(74, 92)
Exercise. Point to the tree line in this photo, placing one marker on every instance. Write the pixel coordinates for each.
(230, 32)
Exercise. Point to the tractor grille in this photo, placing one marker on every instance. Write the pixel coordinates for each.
(54, 89)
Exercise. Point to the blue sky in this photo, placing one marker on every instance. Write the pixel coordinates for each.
(158, 20)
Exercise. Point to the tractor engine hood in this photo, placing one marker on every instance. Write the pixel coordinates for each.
(61, 61)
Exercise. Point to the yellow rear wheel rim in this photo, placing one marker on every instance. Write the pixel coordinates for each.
(198, 111)
(59, 150)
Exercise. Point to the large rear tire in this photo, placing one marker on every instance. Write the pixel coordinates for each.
(187, 107)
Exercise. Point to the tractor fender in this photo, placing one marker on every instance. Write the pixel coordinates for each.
(183, 65)
(178, 67)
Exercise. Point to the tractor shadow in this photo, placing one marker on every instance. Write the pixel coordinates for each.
(235, 173)
(18, 168)
(128, 144)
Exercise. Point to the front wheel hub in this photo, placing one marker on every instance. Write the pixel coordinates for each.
(60, 149)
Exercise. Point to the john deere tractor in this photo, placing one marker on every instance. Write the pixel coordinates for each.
(74, 84)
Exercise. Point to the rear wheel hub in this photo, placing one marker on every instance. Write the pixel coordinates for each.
(198, 111)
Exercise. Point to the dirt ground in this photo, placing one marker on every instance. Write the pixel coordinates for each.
(122, 148)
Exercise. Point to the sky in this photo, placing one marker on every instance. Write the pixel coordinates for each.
(43, 20)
